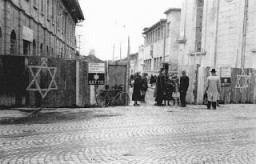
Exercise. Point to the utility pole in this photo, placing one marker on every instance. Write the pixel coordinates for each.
(120, 51)
(113, 52)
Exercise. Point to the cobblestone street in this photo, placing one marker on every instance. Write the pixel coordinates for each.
(144, 134)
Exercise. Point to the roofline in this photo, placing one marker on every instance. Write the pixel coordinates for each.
(172, 9)
(74, 9)
(156, 24)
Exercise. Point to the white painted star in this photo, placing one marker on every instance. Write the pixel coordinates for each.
(246, 79)
(35, 72)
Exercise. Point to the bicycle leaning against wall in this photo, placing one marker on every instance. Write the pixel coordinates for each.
(115, 96)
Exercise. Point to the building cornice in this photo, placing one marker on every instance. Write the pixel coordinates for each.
(74, 9)
(172, 9)
(159, 23)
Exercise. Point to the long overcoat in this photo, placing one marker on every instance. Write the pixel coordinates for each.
(136, 95)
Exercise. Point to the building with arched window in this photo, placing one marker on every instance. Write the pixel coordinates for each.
(28, 27)
(218, 33)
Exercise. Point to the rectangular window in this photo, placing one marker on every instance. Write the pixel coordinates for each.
(63, 22)
(42, 6)
(53, 10)
(199, 21)
(48, 8)
(168, 29)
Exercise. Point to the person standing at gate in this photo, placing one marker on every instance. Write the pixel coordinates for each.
(212, 89)
(136, 95)
(184, 84)
(160, 88)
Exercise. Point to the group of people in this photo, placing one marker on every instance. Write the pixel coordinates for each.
(168, 87)
(140, 87)
(173, 88)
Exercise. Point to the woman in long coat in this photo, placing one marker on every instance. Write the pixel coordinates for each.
(136, 95)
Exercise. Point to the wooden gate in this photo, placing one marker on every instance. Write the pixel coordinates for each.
(118, 74)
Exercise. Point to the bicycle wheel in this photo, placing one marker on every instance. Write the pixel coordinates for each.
(109, 97)
(100, 100)
(116, 100)
(124, 99)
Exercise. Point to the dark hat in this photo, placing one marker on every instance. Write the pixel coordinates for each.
(213, 70)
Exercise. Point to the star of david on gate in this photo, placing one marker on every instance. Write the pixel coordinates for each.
(246, 79)
(35, 72)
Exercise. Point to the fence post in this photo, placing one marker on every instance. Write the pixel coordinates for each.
(77, 83)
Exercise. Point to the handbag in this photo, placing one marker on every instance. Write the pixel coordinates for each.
(175, 94)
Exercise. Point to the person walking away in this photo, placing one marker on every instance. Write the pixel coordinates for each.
(184, 84)
(144, 87)
(169, 90)
(212, 89)
(136, 95)
(160, 87)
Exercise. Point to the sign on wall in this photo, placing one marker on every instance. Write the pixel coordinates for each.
(96, 74)
(225, 76)
(27, 34)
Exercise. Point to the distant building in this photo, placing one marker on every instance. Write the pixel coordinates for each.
(218, 33)
(160, 45)
(140, 59)
(39, 27)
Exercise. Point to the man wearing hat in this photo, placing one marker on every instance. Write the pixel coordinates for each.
(212, 89)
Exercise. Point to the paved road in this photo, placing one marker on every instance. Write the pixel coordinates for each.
(133, 135)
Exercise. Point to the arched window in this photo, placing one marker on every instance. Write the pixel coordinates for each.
(34, 48)
(47, 51)
(61, 52)
(13, 42)
(1, 41)
(41, 50)
(199, 25)
(52, 52)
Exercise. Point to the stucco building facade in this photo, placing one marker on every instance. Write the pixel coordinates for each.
(160, 45)
(221, 33)
(39, 27)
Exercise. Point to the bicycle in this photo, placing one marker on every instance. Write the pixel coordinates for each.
(115, 96)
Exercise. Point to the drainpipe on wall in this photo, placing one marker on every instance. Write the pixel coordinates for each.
(216, 33)
(244, 34)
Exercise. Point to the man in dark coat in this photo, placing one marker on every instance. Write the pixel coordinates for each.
(160, 87)
(184, 84)
(136, 95)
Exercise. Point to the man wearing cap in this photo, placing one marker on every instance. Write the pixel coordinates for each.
(212, 89)
(184, 84)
